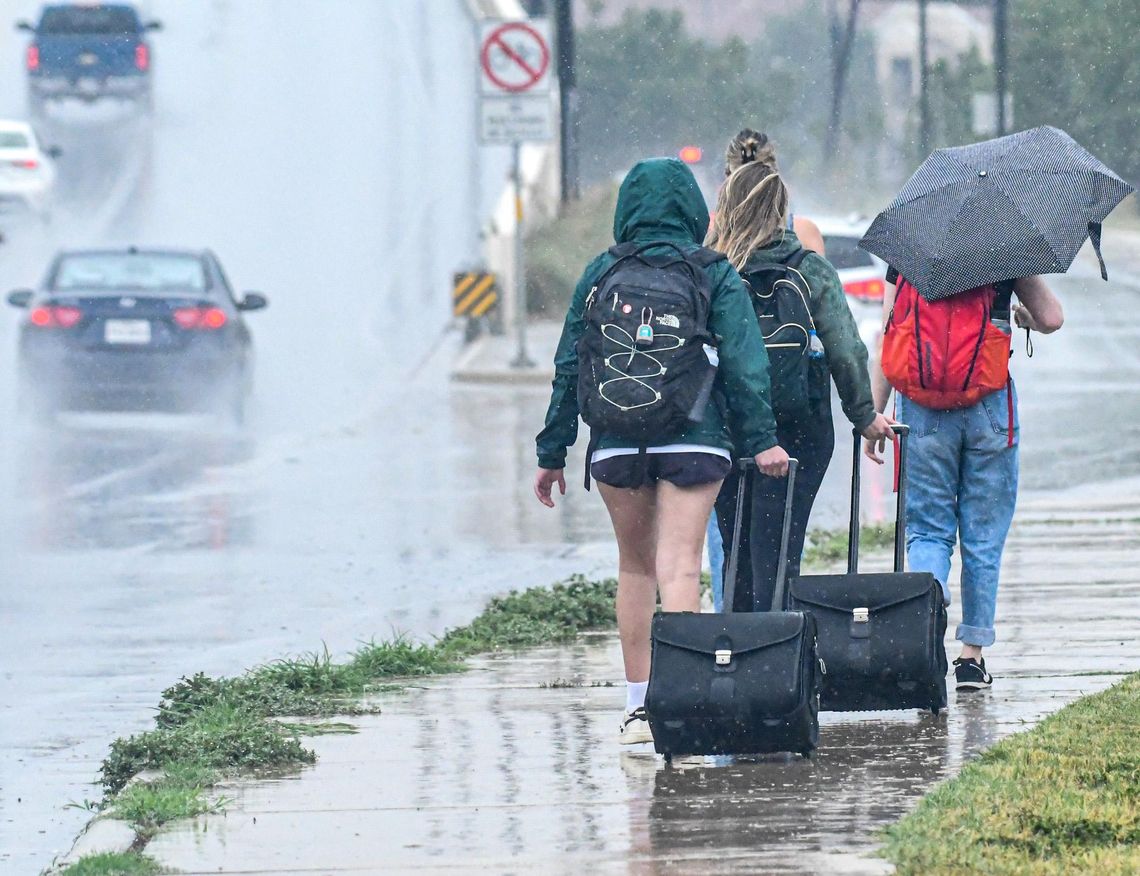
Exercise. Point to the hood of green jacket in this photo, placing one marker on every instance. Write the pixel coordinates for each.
(660, 200)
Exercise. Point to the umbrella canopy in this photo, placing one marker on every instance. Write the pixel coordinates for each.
(999, 210)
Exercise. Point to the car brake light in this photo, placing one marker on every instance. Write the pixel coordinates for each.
(866, 290)
(33, 57)
(25, 163)
(55, 316)
(142, 56)
(203, 318)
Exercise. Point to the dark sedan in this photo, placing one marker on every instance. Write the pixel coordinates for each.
(136, 330)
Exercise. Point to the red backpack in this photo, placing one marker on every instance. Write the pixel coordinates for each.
(947, 354)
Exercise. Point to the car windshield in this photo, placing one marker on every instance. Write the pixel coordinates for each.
(843, 252)
(89, 20)
(148, 272)
(13, 140)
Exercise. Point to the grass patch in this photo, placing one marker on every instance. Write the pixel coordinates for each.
(113, 864)
(179, 793)
(828, 546)
(538, 616)
(1061, 798)
(557, 252)
(218, 737)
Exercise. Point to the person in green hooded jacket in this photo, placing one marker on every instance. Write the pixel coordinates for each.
(659, 502)
(753, 232)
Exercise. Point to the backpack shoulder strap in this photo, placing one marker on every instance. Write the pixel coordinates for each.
(706, 257)
(796, 258)
(621, 250)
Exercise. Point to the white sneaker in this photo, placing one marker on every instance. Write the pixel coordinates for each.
(634, 728)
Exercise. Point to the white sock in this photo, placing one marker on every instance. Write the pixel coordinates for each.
(635, 694)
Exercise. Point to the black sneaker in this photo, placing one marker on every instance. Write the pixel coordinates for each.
(971, 674)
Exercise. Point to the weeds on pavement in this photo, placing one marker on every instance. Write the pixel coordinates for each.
(1061, 798)
(828, 546)
(113, 864)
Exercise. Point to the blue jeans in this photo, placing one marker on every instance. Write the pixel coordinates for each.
(961, 483)
(716, 563)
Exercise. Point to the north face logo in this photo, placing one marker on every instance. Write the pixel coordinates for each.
(669, 321)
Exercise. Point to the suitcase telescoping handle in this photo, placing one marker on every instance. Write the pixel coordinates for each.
(903, 432)
(747, 472)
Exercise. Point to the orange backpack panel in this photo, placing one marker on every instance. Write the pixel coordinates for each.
(945, 354)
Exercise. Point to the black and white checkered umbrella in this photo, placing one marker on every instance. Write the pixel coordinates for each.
(999, 210)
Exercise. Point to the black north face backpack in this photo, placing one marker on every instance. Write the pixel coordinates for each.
(646, 360)
(797, 363)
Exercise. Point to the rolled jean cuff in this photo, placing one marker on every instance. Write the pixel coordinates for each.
(982, 637)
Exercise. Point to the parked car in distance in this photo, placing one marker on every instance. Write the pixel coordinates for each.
(135, 329)
(861, 273)
(27, 175)
(88, 51)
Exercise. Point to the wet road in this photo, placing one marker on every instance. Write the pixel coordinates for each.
(337, 178)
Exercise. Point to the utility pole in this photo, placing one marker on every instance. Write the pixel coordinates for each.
(567, 99)
(923, 81)
(842, 41)
(1001, 83)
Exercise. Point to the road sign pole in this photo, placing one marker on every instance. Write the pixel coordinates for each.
(521, 360)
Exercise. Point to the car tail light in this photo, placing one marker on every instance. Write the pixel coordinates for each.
(142, 56)
(25, 163)
(866, 290)
(33, 57)
(200, 318)
(55, 316)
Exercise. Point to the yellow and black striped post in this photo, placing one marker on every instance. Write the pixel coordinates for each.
(474, 293)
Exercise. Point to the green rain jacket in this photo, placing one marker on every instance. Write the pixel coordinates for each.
(661, 201)
(845, 350)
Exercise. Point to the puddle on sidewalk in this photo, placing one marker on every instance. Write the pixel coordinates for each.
(495, 770)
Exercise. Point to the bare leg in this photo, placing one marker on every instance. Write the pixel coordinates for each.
(634, 516)
(682, 514)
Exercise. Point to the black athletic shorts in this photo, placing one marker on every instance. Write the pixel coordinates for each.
(687, 469)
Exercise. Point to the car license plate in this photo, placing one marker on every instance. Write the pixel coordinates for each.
(126, 331)
(88, 58)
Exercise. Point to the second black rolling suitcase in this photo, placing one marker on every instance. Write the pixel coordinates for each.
(735, 683)
(880, 633)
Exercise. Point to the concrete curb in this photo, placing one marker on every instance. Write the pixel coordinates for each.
(102, 835)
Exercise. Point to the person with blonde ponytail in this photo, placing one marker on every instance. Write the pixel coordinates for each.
(752, 229)
(750, 145)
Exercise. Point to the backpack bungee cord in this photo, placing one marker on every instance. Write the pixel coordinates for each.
(635, 347)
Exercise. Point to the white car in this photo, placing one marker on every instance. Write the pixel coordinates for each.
(27, 175)
(861, 273)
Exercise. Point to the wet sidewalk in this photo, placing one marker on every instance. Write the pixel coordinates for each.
(513, 767)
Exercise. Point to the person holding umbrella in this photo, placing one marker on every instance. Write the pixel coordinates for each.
(972, 229)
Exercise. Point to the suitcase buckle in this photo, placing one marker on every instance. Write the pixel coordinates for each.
(861, 615)
(723, 656)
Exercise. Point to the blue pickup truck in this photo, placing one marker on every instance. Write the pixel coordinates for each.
(89, 51)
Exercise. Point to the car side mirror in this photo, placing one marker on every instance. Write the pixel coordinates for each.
(25, 25)
(53, 152)
(153, 25)
(253, 301)
(20, 297)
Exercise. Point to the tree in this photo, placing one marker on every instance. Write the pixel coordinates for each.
(1075, 65)
(646, 87)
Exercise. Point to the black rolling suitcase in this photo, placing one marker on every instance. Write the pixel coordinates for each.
(880, 633)
(735, 683)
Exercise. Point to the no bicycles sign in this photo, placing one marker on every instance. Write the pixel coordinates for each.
(514, 57)
(514, 81)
